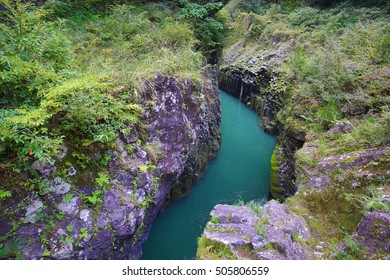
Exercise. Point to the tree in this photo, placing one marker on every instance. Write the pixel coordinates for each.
(208, 30)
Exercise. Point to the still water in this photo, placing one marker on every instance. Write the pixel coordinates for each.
(240, 172)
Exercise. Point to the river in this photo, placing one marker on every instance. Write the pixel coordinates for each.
(240, 172)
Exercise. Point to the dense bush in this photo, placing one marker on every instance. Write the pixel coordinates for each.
(73, 71)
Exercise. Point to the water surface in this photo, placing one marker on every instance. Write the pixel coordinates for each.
(240, 172)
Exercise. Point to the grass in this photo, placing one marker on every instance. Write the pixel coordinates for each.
(213, 250)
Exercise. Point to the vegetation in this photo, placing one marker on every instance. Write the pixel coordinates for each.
(73, 78)
(213, 250)
(74, 73)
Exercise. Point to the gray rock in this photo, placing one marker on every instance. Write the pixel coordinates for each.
(102, 240)
(131, 222)
(341, 127)
(141, 153)
(187, 128)
(118, 217)
(63, 152)
(45, 170)
(132, 138)
(375, 228)
(32, 210)
(102, 221)
(71, 207)
(72, 171)
(59, 186)
(63, 252)
(237, 225)
(234, 214)
(111, 201)
(319, 179)
(279, 217)
(86, 216)
(283, 244)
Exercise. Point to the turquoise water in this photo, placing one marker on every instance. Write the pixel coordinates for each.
(241, 171)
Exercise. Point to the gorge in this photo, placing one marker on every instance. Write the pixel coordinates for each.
(110, 114)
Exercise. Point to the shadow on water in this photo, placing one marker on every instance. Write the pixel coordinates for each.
(241, 171)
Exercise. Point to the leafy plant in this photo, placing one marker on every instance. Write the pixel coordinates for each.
(328, 114)
(102, 180)
(143, 168)
(66, 239)
(215, 220)
(5, 194)
(95, 198)
(67, 197)
(208, 29)
(69, 229)
(83, 234)
(374, 202)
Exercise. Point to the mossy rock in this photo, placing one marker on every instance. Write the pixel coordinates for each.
(276, 191)
(212, 250)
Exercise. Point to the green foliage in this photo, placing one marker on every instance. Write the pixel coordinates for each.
(212, 250)
(96, 197)
(289, 4)
(275, 190)
(328, 114)
(16, 13)
(352, 250)
(83, 234)
(374, 201)
(143, 168)
(255, 6)
(102, 180)
(69, 229)
(74, 72)
(5, 194)
(214, 220)
(261, 229)
(208, 29)
(257, 207)
(66, 239)
(68, 197)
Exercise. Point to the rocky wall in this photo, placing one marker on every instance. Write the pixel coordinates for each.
(73, 212)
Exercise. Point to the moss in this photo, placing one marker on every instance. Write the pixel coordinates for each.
(215, 220)
(350, 159)
(224, 230)
(212, 250)
(276, 191)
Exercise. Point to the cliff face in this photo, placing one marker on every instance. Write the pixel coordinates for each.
(75, 217)
(252, 88)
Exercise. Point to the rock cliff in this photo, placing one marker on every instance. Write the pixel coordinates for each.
(70, 215)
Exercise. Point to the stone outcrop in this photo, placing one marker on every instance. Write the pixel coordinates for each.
(253, 89)
(319, 177)
(375, 229)
(273, 234)
(72, 214)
